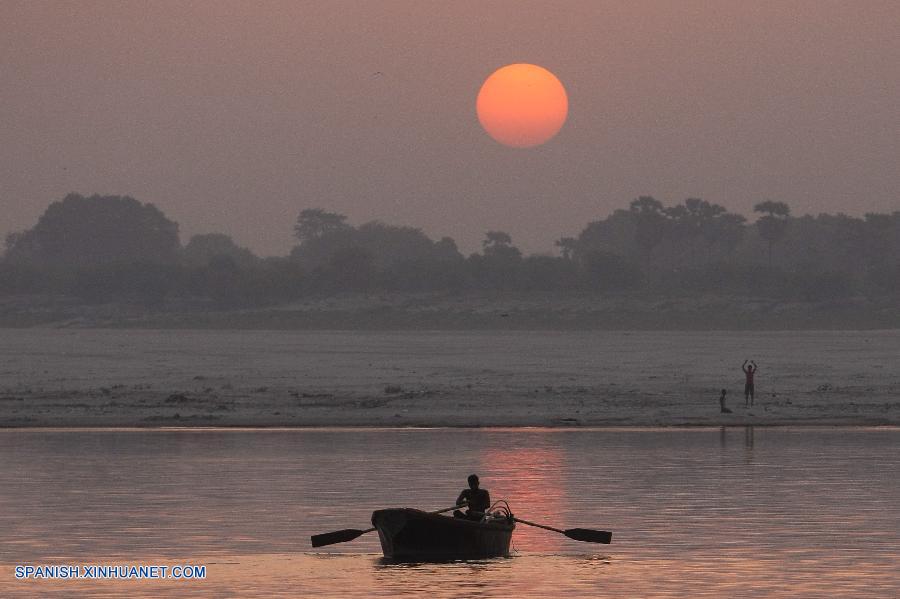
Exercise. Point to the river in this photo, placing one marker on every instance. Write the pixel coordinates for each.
(694, 512)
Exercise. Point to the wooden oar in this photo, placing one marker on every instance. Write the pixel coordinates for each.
(579, 534)
(348, 534)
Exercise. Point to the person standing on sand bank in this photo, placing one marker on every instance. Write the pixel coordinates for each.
(749, 371)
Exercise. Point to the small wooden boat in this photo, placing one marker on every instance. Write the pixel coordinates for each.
(413, 535)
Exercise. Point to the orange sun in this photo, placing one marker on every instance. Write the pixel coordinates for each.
(522, 105)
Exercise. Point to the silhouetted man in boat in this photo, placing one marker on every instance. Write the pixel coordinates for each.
(478, 500)
(749, 371)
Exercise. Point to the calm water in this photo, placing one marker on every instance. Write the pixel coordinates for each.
(764, 512)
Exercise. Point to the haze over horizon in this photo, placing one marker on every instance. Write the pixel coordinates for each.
(232, 117)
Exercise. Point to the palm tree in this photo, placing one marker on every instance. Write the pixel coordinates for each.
(695, 219)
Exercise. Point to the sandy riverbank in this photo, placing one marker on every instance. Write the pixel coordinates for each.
(296, 378)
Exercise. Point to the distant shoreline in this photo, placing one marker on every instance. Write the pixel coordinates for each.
(148, 409)
(300, 379)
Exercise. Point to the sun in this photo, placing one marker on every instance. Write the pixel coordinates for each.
(522, 105)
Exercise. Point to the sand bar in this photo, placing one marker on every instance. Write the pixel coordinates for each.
(149, 378)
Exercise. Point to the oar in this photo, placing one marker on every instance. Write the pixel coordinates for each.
(348, 534)
(579, 534)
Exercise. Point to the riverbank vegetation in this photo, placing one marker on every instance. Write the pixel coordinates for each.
(98, 250)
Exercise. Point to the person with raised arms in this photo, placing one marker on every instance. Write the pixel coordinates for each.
(749, 371)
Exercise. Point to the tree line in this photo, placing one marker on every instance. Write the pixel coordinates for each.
(113, 248)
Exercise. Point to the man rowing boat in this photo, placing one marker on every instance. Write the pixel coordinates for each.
(477, 500)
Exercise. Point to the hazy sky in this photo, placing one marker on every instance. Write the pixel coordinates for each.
(232, 116)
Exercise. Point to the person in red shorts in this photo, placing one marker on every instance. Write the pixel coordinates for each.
(749, 371)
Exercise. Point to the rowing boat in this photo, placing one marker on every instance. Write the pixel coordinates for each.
(413, 535)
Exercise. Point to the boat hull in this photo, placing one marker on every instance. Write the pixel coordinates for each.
(413, 535)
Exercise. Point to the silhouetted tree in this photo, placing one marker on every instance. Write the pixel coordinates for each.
(104, 249)
(615, 234)
(567, 246)
(611, 272)
(352, 268)
(651, 224)
(495, 239)
(222, 279)
(390, 245)
(726, 230)
(148, 283)
(97, 230)
(386, 245)
(694, 221)
(497, 245)
(202, 249)
(886, 278)
(16, 279)
(11, 240)
(880, 239)
(773, 225)
(446, 249)
(549, 273)
(315, 223)
(498, 266)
